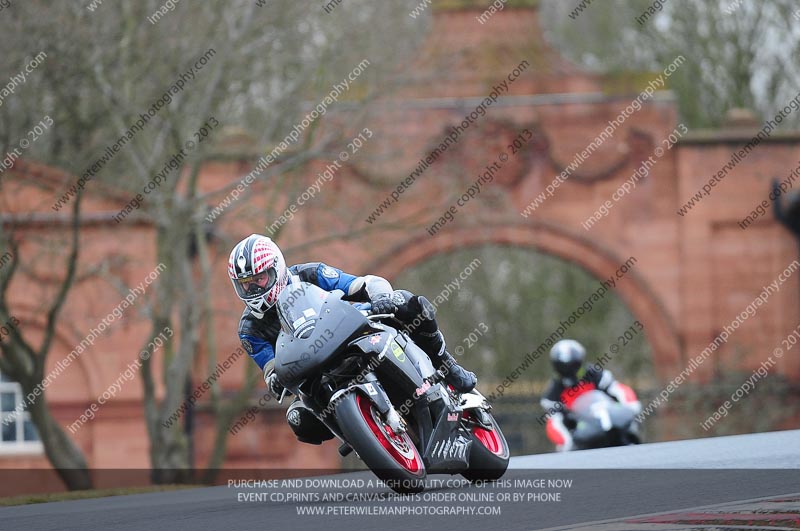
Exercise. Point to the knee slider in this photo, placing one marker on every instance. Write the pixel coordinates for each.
(306, 427)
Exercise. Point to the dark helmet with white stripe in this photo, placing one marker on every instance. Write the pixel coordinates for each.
(567, 357)
(258, 272)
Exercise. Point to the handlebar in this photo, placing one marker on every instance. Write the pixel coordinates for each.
(376, 316)
(366, 310)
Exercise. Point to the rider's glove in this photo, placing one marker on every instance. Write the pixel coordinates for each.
(382, 303)
(271, 379)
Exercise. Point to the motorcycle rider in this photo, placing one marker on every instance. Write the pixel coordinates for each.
(573, 379)
(258, 272)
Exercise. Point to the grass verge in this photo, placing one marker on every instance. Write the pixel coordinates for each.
(87, 494)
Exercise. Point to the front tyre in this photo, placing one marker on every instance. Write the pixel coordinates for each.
(391, 456)
(488, 457)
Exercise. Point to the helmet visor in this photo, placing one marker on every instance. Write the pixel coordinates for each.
(256, 285)
(568, 369)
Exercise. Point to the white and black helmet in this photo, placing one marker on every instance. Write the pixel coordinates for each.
(567, 357)
(258, 272)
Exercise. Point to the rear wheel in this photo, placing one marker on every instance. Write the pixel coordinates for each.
(488, 456)
(391, 456)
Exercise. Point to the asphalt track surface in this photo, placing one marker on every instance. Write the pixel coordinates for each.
(608, 489)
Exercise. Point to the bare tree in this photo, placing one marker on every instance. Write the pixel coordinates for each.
(24, 362)
(739, 53)
(115, 72)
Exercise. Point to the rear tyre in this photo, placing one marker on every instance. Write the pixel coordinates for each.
(488, 456)
(392, 457)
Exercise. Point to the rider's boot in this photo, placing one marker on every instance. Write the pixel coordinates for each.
(461, 379)
(420, 315)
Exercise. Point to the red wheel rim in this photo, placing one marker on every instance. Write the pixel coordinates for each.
(399, 446)
(489, 438)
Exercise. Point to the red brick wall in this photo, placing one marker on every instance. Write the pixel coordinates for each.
(693, 275)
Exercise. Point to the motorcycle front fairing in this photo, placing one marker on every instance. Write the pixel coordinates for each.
(316, 326)
(404, 363)
(319, 331)
(601, 420)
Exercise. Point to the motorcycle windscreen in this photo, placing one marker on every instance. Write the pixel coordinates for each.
(298, 307)
(316, 326)
(597, 404)
(587, 403)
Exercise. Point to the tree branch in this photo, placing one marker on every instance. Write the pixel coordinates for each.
(71, 267)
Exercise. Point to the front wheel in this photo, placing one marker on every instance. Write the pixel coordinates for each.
(391, 456)
(488, 456)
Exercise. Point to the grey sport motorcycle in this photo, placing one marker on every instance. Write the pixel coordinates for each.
(379, 394)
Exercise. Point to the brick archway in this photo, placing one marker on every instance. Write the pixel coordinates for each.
(555, 240)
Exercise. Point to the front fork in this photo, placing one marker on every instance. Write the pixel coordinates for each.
(372, 389)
